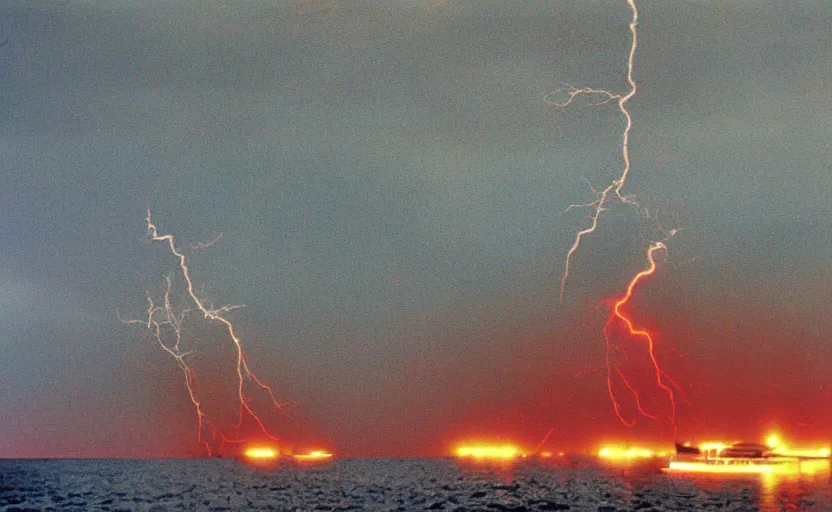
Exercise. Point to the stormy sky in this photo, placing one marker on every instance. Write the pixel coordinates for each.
(390, 186)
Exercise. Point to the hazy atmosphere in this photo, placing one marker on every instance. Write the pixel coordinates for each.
(391, 189)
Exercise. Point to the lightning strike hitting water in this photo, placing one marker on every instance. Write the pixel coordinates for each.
(613, 190)
(618, 316)
(166, 326)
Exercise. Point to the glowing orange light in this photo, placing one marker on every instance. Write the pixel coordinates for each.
(504, 452)
(802, 452)
(614, 452)
(713, 446)
(261, 453)
(811, 467)
(779, 448)
(316, 455)
(773, 466)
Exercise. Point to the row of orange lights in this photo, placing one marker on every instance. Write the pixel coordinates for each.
(509, 451)
(265, 453)
(483, 451)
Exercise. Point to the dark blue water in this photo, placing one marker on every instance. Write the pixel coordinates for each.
(393, 484)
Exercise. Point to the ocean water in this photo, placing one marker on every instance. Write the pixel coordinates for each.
(394, 484)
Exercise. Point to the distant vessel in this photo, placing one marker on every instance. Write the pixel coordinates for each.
(741, 458)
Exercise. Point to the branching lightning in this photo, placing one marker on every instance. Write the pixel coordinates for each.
(613, 190)
(610, 193)
(618, 316)
(166, 325)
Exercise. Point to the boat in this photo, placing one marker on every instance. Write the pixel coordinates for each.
(740, 457)
(720, 458)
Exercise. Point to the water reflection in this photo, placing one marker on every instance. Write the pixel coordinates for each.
(792, 490)
(799, 486)
(502, 470)
(805, 486)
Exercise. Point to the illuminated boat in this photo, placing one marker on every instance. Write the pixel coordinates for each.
(740, 458)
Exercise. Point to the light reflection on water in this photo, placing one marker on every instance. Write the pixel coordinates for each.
(779, 491)
(806, 486)
(504, 470)
(580, 483)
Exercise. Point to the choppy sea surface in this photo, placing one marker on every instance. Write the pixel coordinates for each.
(394, 484)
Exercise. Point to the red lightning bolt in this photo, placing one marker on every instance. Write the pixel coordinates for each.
(620, 317)
(164, 322)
